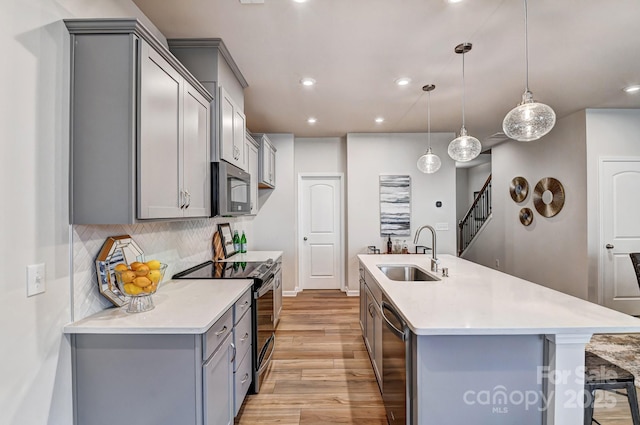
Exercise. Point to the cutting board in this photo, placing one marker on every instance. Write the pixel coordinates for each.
(218, 252)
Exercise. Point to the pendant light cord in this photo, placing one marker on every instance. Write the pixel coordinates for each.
(429, 118)
(463, 91)
(526, 45)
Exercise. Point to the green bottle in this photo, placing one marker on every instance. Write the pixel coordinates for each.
(243, 243)
(236, 241)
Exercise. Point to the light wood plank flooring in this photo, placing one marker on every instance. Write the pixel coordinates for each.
(321, 373)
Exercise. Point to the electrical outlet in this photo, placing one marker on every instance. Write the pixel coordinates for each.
(442, 226)
(497, 263)
(36, 283)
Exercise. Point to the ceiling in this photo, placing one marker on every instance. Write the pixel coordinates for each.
(582, 53)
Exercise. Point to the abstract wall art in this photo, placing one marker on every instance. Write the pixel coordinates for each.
(395, 205)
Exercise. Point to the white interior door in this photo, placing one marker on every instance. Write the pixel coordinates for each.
(320, 252)
(620, 233)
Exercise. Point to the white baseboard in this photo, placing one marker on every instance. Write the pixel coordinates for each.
(289, 293)
(353, 293)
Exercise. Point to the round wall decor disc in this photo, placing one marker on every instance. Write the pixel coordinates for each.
(554, 205)
(519, 189)
(526, 216)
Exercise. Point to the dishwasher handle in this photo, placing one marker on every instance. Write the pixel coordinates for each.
(400, 333)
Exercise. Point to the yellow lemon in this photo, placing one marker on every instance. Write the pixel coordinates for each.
(134, 266)
(141, 281)
(132, 289)
(142, 270)
(127, 276)
(153, 264)
(121, 267)
(155, 276)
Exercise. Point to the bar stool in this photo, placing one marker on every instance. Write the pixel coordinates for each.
(601, 374)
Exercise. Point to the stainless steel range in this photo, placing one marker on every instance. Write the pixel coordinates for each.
(262, 326)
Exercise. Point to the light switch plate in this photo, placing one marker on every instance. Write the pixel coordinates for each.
(442, 226)
(36, 283)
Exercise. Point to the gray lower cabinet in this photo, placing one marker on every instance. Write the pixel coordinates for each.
(140, 128)
(162, 379)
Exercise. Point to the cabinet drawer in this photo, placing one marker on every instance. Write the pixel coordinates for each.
(242, 338)
(242, 380)
(242, 306)
(216, 334)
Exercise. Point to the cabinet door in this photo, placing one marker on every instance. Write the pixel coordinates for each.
(226, 140)
(239, 136)
(368, 322)
(197, 165)
(265, 169)
(218, 385)
(159, 156)
(272, 167)
(251, 152)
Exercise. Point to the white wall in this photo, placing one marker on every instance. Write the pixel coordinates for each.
(551, 251)
(368, 156)
(476, 178)
(610, 133)
(462, 191)
(274, 227)
(36, 382)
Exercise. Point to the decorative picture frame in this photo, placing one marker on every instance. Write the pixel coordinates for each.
(115, 250)
(395, 205)
(226, 235)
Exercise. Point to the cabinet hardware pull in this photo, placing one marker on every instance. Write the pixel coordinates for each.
(188, 196)
(244, 338)
(370, 307)
(245, 378)
(221, 331)
(181, 201)
(234, 352)
(244, 304)
(609, 246)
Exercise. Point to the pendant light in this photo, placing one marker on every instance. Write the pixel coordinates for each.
(464, 147)
(429, 163)
(530, 120)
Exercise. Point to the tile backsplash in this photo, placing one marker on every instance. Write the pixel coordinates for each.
(173, 243)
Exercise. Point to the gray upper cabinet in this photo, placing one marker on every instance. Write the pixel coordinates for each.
(140, 128)
(251, 152)
(267, 162)
(211, 63)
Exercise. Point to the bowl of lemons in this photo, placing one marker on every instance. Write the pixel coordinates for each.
(139, 280)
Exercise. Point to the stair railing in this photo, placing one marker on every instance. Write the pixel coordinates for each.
(473, 220)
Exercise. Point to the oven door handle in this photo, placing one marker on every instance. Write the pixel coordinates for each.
(264, 288)
(265, 363)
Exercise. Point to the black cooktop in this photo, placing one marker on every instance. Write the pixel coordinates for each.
(228, 270)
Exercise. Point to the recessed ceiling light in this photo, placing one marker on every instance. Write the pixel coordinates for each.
(312, 120)
(454, 1)
(632, 89)
(403, 81)
(307, 82)
(300, 1)
(379, 120)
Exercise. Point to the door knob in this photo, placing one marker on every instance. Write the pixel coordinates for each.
(609, 246)
(305, 238)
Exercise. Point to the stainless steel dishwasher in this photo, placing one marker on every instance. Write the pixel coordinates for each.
(396, 364)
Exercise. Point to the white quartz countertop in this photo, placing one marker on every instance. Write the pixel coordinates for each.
(182, 307)
(477, 300)
(255, 256)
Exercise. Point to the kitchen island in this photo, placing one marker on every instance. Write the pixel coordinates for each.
(490, 348)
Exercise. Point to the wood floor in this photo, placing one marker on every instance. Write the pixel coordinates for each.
(321, 374)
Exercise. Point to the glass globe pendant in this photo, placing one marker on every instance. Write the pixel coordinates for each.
(429, 163)
(530, 120)
(464, 147)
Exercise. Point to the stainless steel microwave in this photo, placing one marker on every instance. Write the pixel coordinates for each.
(231, 189)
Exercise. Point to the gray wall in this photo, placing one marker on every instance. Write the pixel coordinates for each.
(368, 156)
(551, 251)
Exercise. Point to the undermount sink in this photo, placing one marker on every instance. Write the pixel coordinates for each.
(406, 273)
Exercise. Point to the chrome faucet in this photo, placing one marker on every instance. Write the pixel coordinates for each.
(434, 259)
